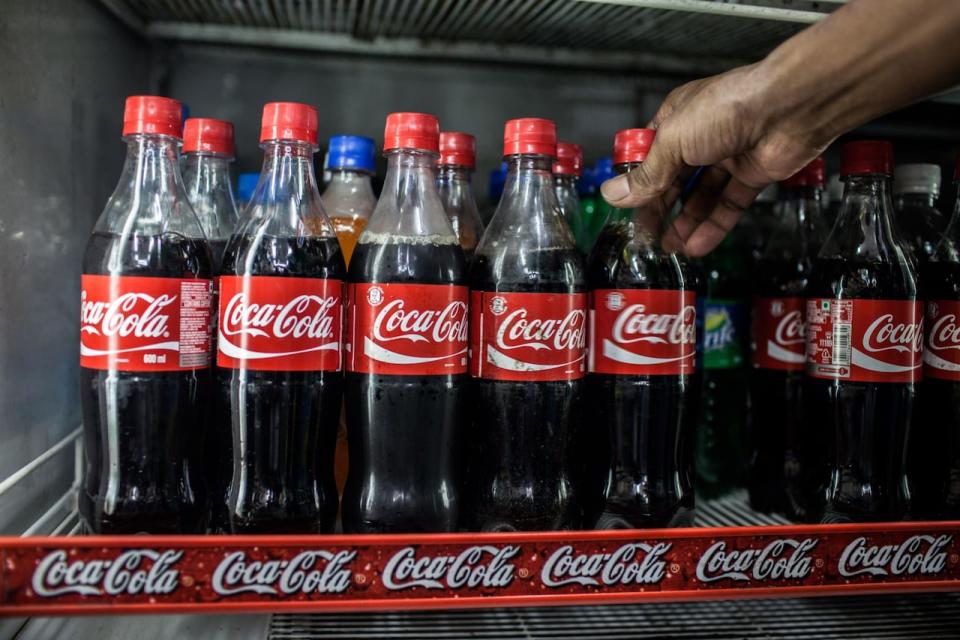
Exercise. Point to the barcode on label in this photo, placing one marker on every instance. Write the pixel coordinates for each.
(841, 344)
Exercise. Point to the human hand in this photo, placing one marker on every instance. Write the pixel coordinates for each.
(732, 125)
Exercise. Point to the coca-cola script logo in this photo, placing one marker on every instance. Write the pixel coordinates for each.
(312, 571)
(408, 329)
(130, 573)
(136, 323)
(917, 555)
(631, 563)
(865, 340)
(278, 323)
(941, 356)
(784, 559)
(524, 336)
(642, 332)
(779, 335)
(131, 314)
(480, 566)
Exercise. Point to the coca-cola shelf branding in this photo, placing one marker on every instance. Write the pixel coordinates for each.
(528, 336)
(865, 340)
(274, 323)
(136, 323)
(642, 331)
(941, 355)
(51, 575)
(779, 338)
(407, 329)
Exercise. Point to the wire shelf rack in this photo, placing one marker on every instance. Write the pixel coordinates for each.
(669, 35)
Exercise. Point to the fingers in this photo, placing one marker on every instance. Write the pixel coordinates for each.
(701, 200)
(652, 180)
(730, 205)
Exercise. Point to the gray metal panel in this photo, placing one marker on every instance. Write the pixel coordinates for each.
(66, 67)
(195, 627)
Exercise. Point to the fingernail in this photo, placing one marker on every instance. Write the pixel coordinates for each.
(615, 189)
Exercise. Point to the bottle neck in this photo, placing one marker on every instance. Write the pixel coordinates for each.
(152, 165)
(348, 184)
(864, 229)
(528, 190)
(206, 177)
(409, 204)
(926, 200)
(567, 181)
(454, 173)
(287, 171)
(948, 250)
(800, 231)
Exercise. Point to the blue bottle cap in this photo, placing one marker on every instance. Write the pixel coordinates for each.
(351, 152)
(585, 187)
(498, 178)
(603, 171)
(246, 183)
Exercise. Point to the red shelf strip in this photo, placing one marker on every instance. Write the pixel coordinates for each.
(138, 574)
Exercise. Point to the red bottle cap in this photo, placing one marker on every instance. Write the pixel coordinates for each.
(569, 159)
(811, 175)
(208, 135)
(457, 148)
(632, 145)
(867, 156)
(530, 135)
(152, 114)
(289, 121)
(412, 131)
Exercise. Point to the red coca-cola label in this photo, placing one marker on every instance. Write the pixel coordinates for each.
(864, 340)
(941, 356)
(407, 329)
(528, 336)
(271, 323)
(134, 323)
(779, 336)
(642, 332)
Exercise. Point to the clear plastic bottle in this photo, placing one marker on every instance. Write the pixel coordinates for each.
(246, 184)
(566, 180)
(915, 191)
(348, 196)
(208, 152)
(934, 452)
(145, 340)
(786, 462)
(640, 385)
(278, 350)
(864, 344)
(454, 181)
(407, 349)
(528, 350)
(494, 190)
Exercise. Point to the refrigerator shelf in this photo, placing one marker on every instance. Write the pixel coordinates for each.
(680, 36)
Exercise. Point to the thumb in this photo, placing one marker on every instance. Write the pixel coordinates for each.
(651, 180)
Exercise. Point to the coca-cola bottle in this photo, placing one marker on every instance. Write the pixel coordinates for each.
(935, 432)
(278, 348)
(782, 450)
(454, 176)
(864, 341)
(643, 316)
(528, 349)
(566, 179)
(207, 154)
(407, 349)
(915, 190)
(348, 197)
(145, 340)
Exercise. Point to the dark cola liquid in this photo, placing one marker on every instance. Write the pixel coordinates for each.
(525, 443)
(403, 431)
(277, 430)
(143, 431)
(642, 447)
(935, 433)
(786, 470)
(862, 426)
